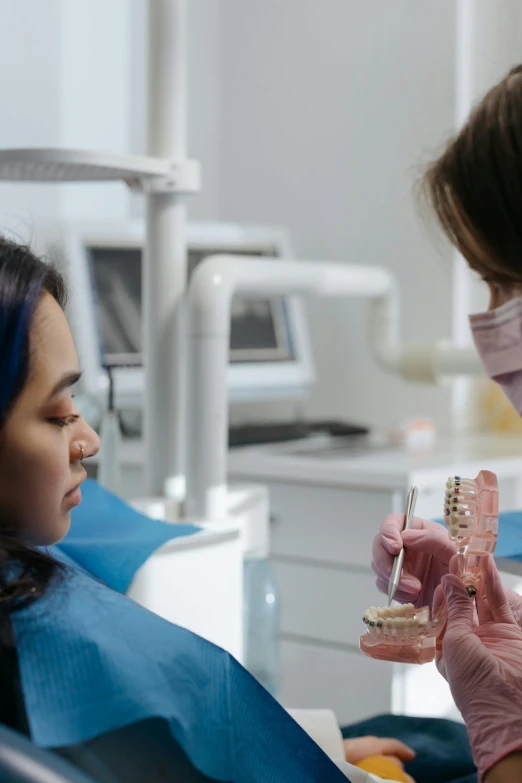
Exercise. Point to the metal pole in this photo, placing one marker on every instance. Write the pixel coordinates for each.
(465, 91)
(165, 259)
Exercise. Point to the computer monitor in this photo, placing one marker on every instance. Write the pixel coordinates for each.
(270, 354)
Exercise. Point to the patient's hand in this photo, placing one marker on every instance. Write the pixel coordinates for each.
(361, 747)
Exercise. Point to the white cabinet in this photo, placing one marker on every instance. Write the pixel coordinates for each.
(325, 665)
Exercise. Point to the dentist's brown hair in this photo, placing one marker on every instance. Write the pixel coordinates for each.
(475, 186)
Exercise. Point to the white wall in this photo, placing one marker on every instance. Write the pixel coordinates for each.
(75, 75)
(30, 108)
(313, 115)
(327, 110)
(95, 93)
(65, 82)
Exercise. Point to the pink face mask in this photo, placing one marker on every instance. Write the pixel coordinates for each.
(498, 338)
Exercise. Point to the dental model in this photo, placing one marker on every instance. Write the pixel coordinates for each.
(409, 635)
(471, 516)
(399, 633)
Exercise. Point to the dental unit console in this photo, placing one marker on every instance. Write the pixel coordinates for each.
(409, 634)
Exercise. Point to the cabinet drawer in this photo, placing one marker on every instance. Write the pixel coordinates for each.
(326, 523)
(353, 686)
(325, 604)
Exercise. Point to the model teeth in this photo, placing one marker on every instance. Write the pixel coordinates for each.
(460, 505)
(397, 625)
(394, 618)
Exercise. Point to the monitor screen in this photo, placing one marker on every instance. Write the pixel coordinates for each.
(260, 328)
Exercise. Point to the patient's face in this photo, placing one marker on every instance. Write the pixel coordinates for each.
(40, 469)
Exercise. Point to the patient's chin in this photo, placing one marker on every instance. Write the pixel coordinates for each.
(50, 534)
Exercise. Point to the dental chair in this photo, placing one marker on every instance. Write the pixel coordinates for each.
(23, 762)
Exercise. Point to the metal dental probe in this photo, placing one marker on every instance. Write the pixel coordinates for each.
(395, 575)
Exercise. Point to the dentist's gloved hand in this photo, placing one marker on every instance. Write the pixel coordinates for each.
(482, 660)
(515, 602)
(428, 553)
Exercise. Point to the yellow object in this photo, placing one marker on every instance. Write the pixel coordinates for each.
(384, 767)
(496, 411)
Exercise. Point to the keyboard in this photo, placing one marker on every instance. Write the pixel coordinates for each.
(282, 432)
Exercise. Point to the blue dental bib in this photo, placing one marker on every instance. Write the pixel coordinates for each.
(92, 661)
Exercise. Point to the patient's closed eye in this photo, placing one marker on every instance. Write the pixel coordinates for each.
(64, 421)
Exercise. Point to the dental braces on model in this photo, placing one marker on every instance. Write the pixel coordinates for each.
(408, 634)
(399, 633)
(471, 516)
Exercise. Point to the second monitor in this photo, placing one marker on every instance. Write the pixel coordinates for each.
(270, 353)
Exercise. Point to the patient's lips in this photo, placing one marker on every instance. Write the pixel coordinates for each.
(73, 498)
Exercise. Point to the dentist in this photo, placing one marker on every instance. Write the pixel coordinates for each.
(475, 190)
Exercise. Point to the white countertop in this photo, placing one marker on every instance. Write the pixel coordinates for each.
(347, 463)
(378, 465)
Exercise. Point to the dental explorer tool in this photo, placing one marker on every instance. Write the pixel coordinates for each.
(395, 576)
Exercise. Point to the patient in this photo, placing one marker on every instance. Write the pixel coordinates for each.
(215, 722)
(43, 442)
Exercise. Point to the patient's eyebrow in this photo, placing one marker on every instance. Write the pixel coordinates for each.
(67, 380)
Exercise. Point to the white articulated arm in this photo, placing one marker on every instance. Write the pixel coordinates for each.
(213, 285)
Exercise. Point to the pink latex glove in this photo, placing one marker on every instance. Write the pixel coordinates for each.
(428, 553)
(515, 602)
(482, 661)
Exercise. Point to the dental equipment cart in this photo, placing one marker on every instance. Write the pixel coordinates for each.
(328, 498)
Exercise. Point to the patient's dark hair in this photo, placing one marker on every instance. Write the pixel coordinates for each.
(25, 572)
(475, 187)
